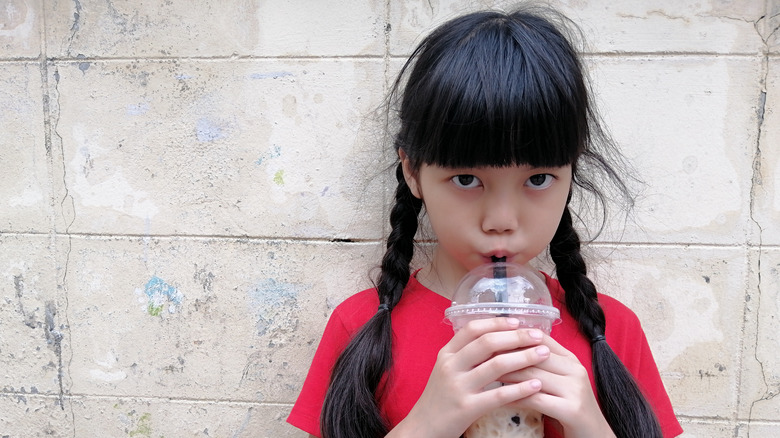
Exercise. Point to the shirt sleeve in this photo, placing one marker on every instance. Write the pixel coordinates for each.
(628, 340)
(305, 414)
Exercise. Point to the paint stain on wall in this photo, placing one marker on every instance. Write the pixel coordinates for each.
(290, 106)
(15, 14)
(107, 369)
(143, 426)
(274, 304)
(29, 317)
(97, 187)
(28, 197)
(83, 66)
(279, 177)
(207, 130)
(137, 109)
(271, 75)
(16, 22)
(159, 293)
(275, 152)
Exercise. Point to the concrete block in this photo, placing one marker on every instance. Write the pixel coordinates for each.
(761, 371)
(20, 29)
(609, 26)
(25, 194)
(671, 26)
(33, 341)
(206, 319)
(690, 302)
(696, 429)
(689, 127)
(111, 417)
(766, 181)
(762, 430)
(31, 415)
(248, 148)
(209, 28)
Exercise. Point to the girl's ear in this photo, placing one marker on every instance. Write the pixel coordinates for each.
(409, 176)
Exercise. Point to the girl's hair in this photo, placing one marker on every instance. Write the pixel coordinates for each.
(490, 89)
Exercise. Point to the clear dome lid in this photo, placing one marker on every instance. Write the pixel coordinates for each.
(503, 289)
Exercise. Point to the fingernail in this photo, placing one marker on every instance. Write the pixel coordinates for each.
(513, 322)
(542, 350)
(535, 384)
(536, 334)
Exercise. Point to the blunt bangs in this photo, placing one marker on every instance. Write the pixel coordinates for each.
(493, 89)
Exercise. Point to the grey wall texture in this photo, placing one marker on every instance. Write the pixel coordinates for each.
(188, 188)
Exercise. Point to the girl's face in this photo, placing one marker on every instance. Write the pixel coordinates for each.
(483, 212)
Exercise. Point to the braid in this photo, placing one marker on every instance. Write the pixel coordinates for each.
(622, 402)
(350, 408)
(572, 273)
(400, 243)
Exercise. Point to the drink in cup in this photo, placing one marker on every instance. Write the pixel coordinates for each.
(504, 289)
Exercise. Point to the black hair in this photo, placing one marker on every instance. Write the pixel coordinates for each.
(491, 89)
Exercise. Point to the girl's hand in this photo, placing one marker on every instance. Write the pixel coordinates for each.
(566, 393)
(478, 355)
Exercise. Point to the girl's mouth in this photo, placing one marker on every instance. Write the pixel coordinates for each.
(497, 256)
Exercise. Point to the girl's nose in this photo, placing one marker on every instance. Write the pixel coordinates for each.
(499, 216)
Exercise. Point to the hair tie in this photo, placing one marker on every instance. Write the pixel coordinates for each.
(597, 339)
(383, 306)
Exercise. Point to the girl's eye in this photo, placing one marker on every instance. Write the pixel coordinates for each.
(466, 181)
(540, 181)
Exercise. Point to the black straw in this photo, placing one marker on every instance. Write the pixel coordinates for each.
(500, 272)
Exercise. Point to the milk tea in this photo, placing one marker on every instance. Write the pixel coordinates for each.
(507, 422)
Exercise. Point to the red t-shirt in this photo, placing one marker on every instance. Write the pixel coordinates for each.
(420, 331)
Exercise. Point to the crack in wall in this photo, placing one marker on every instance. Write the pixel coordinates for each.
(76, 24)
(760, 26)
(66, 201)
(55, 332)
(53, 336)
(767, 33)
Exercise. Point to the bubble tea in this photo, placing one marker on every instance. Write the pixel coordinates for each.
(504, 289)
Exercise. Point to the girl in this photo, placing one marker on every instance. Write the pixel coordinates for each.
(496, 130)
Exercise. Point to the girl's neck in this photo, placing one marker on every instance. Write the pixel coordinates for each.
(440, 275)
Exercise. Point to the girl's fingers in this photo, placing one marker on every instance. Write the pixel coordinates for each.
(575, 405)
(558, 365)
(506, 394)
(507, 364)
(490, 344)
(484, 350)
(477, 328)
(539, 401)
(557, 348)
(482, 338)
(554, 384)
(562, 363)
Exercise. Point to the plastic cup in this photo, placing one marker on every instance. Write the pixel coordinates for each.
(504, 289)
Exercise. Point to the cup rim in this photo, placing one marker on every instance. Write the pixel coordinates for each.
(503, 309)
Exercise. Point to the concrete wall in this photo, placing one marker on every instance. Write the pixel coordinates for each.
(189, 187)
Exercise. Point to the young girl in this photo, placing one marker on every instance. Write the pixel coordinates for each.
(496, 131)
